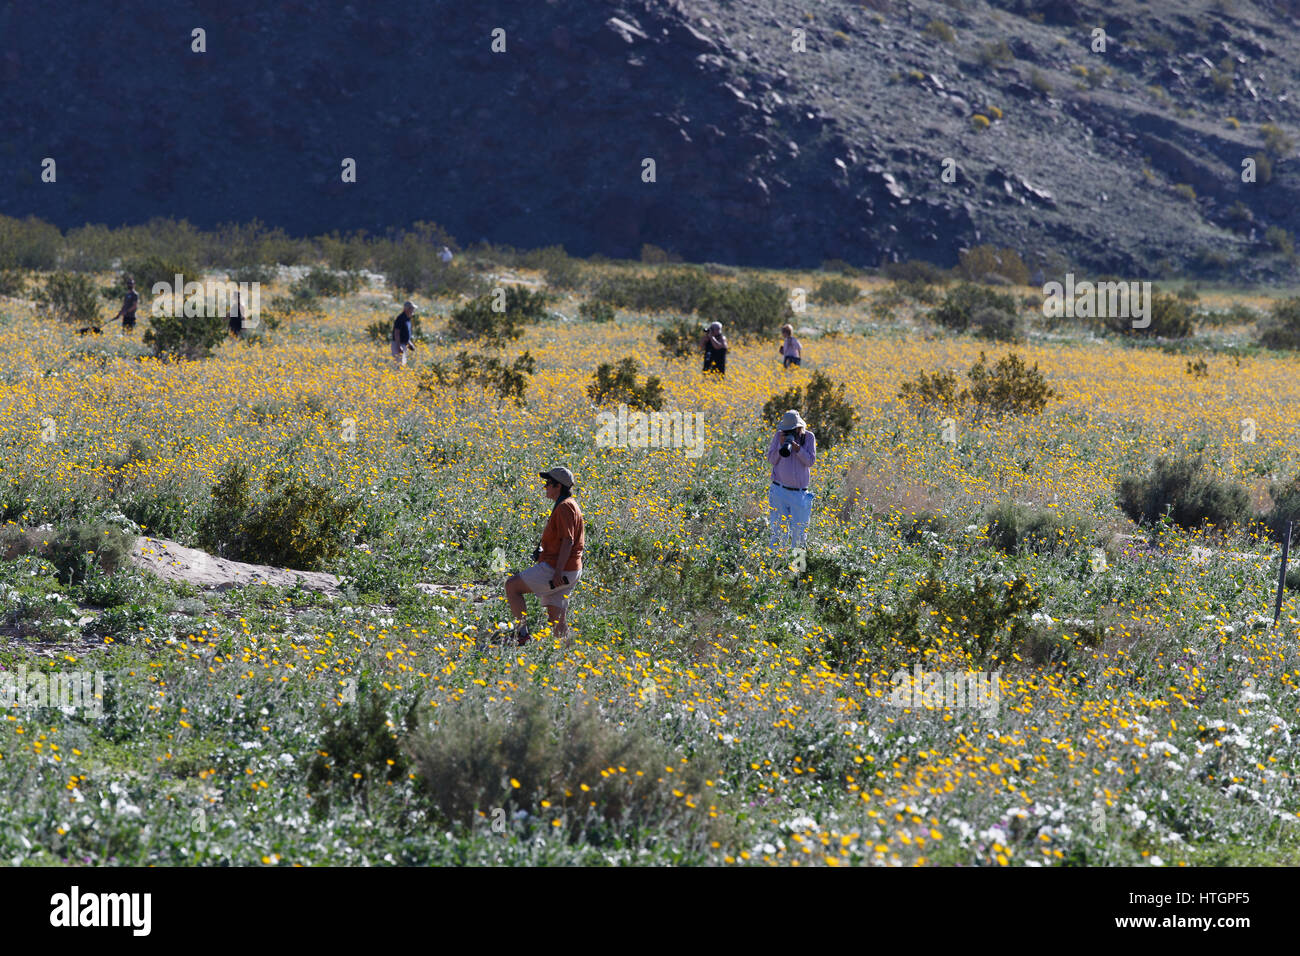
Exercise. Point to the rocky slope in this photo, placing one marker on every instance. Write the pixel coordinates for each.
(770, 147)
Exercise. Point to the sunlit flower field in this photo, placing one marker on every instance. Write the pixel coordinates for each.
(1151, 724)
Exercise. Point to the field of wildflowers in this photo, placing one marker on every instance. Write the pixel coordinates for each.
(1144, 710)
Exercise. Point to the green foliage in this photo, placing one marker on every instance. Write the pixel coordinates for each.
(538, 748)
(997, 325)
(324, 282)
(1171, 318)
(79, 548)
(823, 406)
(751, 310)
(1279, 240)
(618, 384)
(358, 751)
(1277, 143)
(185, 337)
(1286, 508)
(1281, 328)
(13, 283)
(508, 382)
(596, 311)
(964, 300)
(1183, 490)
(916, 270)
(151, 270)
(836, 292)
(986, 618)
(992, 55)
(498, 316)
(668, 290)
(69, 297)
(932, 390)
(679, 339)
(982, 261)
(941, 31)
(1012, 527)
(29, 244)
(295, 524)
(561, 270)
(1010, 387)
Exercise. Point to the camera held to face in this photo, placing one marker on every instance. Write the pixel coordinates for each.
(787, 444)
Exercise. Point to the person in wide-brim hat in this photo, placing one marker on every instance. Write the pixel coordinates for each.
(791, 453)
(557, 560)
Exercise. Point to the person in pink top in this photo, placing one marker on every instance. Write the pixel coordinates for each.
(791, 348)
(791, 452)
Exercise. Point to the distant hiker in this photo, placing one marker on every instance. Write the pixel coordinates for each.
(791, 348)
(791, 453)
(236, 318)
(446, 256)
(715, 349)
(129, 304)
(558, 557)
(402, 334)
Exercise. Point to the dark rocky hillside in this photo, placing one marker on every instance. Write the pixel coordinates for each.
(1123, 160)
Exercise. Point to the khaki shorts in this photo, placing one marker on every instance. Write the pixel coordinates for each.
(538, 578)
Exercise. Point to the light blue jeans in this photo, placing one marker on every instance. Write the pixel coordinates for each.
(791, 512)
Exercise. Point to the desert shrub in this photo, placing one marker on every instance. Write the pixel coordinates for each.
(941, 31)
(994, 54)
(29, 244)
(750, 310)
(840, 266)
(538, 747)
(560, 269)
(185, 337)
(679, 339)
(77, 549)
(981, 261)
(69, 297)
(822, 405)
(13, 283)
(1286, 508)
(295, 524)
(917, 291)
(1279, 240)
(506, 381)
(618, 383)
(669, 290)
(931, 390)
(964, 300)
(1263, 167)
(1281, 328)
(1184, 490)
(257, 272)
(358, 750)
(1009, 387)
(151, 270)
(988, 619)
(596, 311)
(1277, 143)
(325, 283)
(498, 316)
(1170, 318)
(836, 292)
(1012, 527)
(916, 270)
(996, 325)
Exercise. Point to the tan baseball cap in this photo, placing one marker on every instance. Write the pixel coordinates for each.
(560, 474)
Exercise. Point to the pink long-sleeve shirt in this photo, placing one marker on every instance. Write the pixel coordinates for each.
(792, 348)
(795, 471)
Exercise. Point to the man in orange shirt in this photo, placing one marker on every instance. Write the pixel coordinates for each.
(559, 560)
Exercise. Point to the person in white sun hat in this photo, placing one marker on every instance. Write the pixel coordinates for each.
(792, 451)
(558, 557)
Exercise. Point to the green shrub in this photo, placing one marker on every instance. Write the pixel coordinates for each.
(618, 384)
(1010, 387)
(836, 292)
(679, 339)
(560, 269)
(69, 297)
(1277, 143)
(1280, 241)
(508, 382)
(29, 244)
(916, 270)
(1286, 508)
(498, 316)
(150, 270)
(941, 31)
(358, 750)
(840, 266)
(965, 299)
(751, 310)
(982, 261)
(1170, 318)
(295, 524)
(916, 290)
(669, 290)
(823, 406)
(1013, 528)
(185, 337)
(996, 325)
(596, 311)
(77, 549)
(538, 747)
(320, 283)
(1182, 489)
(1281, 328)
(932, 390)
(13, 283)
